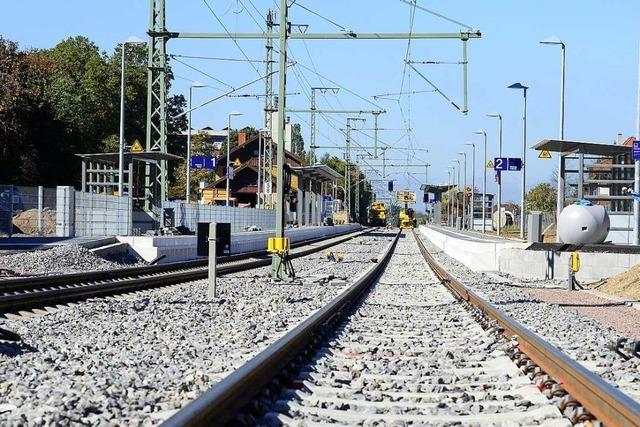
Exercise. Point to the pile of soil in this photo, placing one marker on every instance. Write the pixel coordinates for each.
(26, 222)
(625, 284)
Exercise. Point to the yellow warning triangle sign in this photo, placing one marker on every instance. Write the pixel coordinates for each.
(136, 147)
(544, 154)
(489, 164)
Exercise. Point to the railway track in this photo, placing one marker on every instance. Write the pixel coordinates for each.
(398, 348)
(32, 292)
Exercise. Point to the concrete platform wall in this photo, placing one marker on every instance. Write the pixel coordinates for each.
(181, 248)
(514, 259)
(478, 256)
(548, 265)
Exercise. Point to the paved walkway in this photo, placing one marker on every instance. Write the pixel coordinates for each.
(471, 235)
(618, 315)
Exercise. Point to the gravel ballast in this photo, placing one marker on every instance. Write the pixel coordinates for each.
(60, 259)
(410, 354)
(581, 337)
(136, 359)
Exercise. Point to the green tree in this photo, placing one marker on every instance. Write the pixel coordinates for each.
(65, 100)
(542, 197)
(297, 141)
(24, 77)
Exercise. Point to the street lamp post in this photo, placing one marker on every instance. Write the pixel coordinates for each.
(452, 178)
(187, 197)
(456, 192)
(449, 198)
(499, 211)
(130, 40)
(233, 113)
(524, 155)
(484, 179)
(464, 188)
(473, 183)
(560, 192)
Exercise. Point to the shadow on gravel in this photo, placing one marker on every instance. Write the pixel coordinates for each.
(517, 301)
(13, 349)
(606, 304)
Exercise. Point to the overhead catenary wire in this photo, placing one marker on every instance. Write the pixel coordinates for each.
(204, 73)
(230, 35)
(414, 4)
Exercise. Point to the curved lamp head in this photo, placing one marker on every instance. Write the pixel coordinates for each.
(552, 40)
(518, 85)
(235, 113)
(480, 132)
(198, 84)
(498, 115)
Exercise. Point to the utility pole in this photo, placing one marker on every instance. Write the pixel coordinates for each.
(267, 167)
(347, 165)
(278, 263)
(636, 175)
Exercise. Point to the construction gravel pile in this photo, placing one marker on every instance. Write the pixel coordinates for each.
(59, 259)
(626, 285)
(581, 337)
(135, 359)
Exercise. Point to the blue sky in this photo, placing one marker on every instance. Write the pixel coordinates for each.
(602, 54)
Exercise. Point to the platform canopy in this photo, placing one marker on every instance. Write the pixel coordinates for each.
(317, 172)
(145, 156)
(569, 147)
(436, 189)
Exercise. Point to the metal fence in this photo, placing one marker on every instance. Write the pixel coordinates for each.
(190, 215)
(29, 211)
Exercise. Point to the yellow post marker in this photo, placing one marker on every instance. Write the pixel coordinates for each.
(490, 164)
(280, 246)
(574, 267)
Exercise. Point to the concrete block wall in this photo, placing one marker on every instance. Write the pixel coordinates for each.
(102, 215)
(65, 211)
(189, 215)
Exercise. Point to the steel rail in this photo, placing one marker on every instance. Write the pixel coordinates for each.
(11, 303)
(607, 403)
(220, 404)
(35, 282)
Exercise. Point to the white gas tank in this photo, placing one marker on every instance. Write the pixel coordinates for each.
(583, 223)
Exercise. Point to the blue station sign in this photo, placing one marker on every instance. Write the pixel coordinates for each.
(507, 164)
(203, 162)
(636, 150)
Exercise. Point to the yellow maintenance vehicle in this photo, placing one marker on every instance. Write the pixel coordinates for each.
(407, 218)
(377, 215)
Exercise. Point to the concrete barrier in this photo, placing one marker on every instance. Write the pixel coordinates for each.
(181, 248)
(594, 266)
